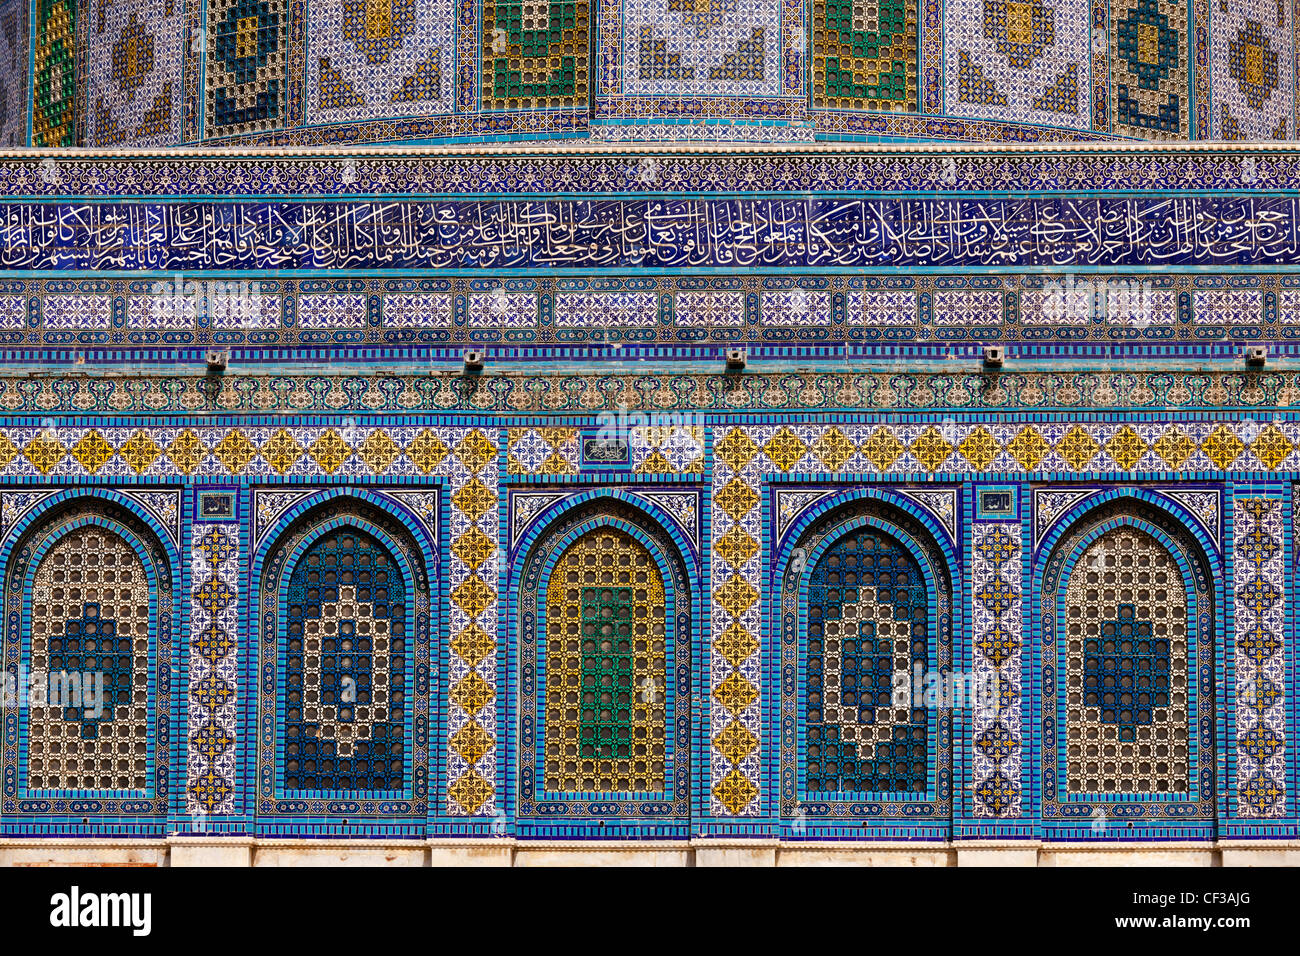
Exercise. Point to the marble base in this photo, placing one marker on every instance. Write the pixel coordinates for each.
(244, 851)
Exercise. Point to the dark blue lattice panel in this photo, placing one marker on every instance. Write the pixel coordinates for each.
(867, 618)
(345, 673)
(92, 645)
(1126, 673)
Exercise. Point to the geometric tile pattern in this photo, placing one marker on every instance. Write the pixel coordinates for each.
(618, 310)
(393, 70)
(542, 451)
(864, 631)
(605, 717)
(715, 47)
(212, 727)
(371, 60)
(90, 616)
(887, 448)
(667, 449)
(1127, 728)
(997, 626)
(246, 66)
(535, 56)
(344, 615)
(1253, 70)
(468, 458)
(345, 683)
(864, 55)
(1021, 61)
(742, 457)
(1229, 307)
(735, 665)
(54, 81)
(1150, 68)
(134, 73)
(89, 603)
(1259, 610)
(1149, 307)
(700, 70)
(15, 46)
(867, 621)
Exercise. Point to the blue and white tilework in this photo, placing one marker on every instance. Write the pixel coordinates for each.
(135, 84)
(368, 61)
(1022, 62)
(1253, 63)
(1259, 658)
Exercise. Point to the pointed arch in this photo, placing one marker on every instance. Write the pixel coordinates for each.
(605, 618)
(344, 608)
(865, 595)
(90, 608)
(1127, 633)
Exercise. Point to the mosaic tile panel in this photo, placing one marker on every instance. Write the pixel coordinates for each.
(667, 449)
(605, 603)
(535, 56)
(90, 613)
(735, 665)
(1253, 63)
(619, 310)
(1258, 654)
(213, 702)
(720, 70)
(997, 628)
(468, 458)
(344, 612)
(134, 73)
(796, 307)
(865, 55)
(346, 660)
(1150, 66)
(605, 668)
(1188, 308)
(726, 48)
(965, 307)
(863, 616)
(89, 633)
(372, 59)
(15, 47)
(710, 310)
(1126, 635)
(1127, 724)
(542, 451)
(246, 65)
(336, 311)
(868, 612)
(877, 308)
(1067, 445)
(1022, 61)
(55, 78)
(1229, 307)
(508, 310)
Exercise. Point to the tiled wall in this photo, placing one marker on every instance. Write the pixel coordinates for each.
(162, 72)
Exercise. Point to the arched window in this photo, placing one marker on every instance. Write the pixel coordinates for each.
(865, 629)
(90, 622)
(1127, 728)
(604, 613)
(346, 663)
(344, 605)
(868, 620)
(1126, 622)
(89, 597)
(605, 649)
